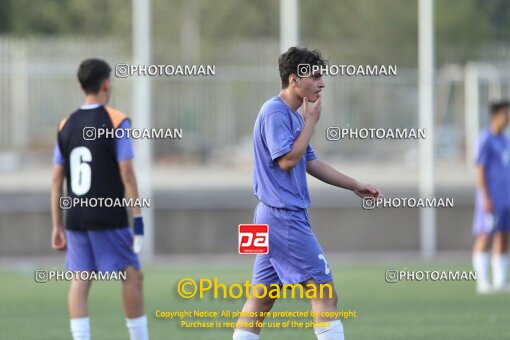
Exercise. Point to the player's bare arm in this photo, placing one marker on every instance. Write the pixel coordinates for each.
(311, 117)
(482, 184)
(58, 236)
(127, 173)
(327, 174)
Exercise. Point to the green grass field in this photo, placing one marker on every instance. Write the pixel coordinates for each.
(404, 310)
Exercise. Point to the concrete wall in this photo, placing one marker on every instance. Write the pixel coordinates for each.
(206, 222)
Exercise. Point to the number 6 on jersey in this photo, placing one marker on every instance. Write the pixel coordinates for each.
(81, 173)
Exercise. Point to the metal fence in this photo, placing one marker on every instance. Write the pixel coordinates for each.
(38, 87)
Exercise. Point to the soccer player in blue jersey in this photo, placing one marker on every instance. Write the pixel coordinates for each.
(283, 157)
(492, 208)
(97, 238)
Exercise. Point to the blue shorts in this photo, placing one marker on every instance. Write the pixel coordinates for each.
(481, 222)
(100, 250)
(295, 255)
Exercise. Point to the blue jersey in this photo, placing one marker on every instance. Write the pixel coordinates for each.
(276, 128)
(493, 154)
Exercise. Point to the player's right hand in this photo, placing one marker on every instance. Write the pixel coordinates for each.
(487, 205)
(58, 239)
(312, 114)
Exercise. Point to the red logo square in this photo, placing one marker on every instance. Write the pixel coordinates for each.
(253, 238)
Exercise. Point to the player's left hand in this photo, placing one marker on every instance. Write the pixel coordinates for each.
(367, 190)
(138, 238)
(137, 243)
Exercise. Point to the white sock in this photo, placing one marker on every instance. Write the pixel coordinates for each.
(481, 266)
(138, 328)
(499, 269)
(241, 334)
(80, 328)
(335, 331)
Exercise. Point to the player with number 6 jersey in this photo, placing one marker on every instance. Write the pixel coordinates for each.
(93, 158)
(96, 237)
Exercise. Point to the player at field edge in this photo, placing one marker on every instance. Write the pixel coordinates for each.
(492, 208)
(282, 158)
(97, 238)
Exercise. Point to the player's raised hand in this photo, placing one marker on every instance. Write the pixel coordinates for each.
(58, 239)
(312, 114)
(367, 190)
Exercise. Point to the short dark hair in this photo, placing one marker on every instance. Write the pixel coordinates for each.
(496, 107)
(289, 61)
(91, 74)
